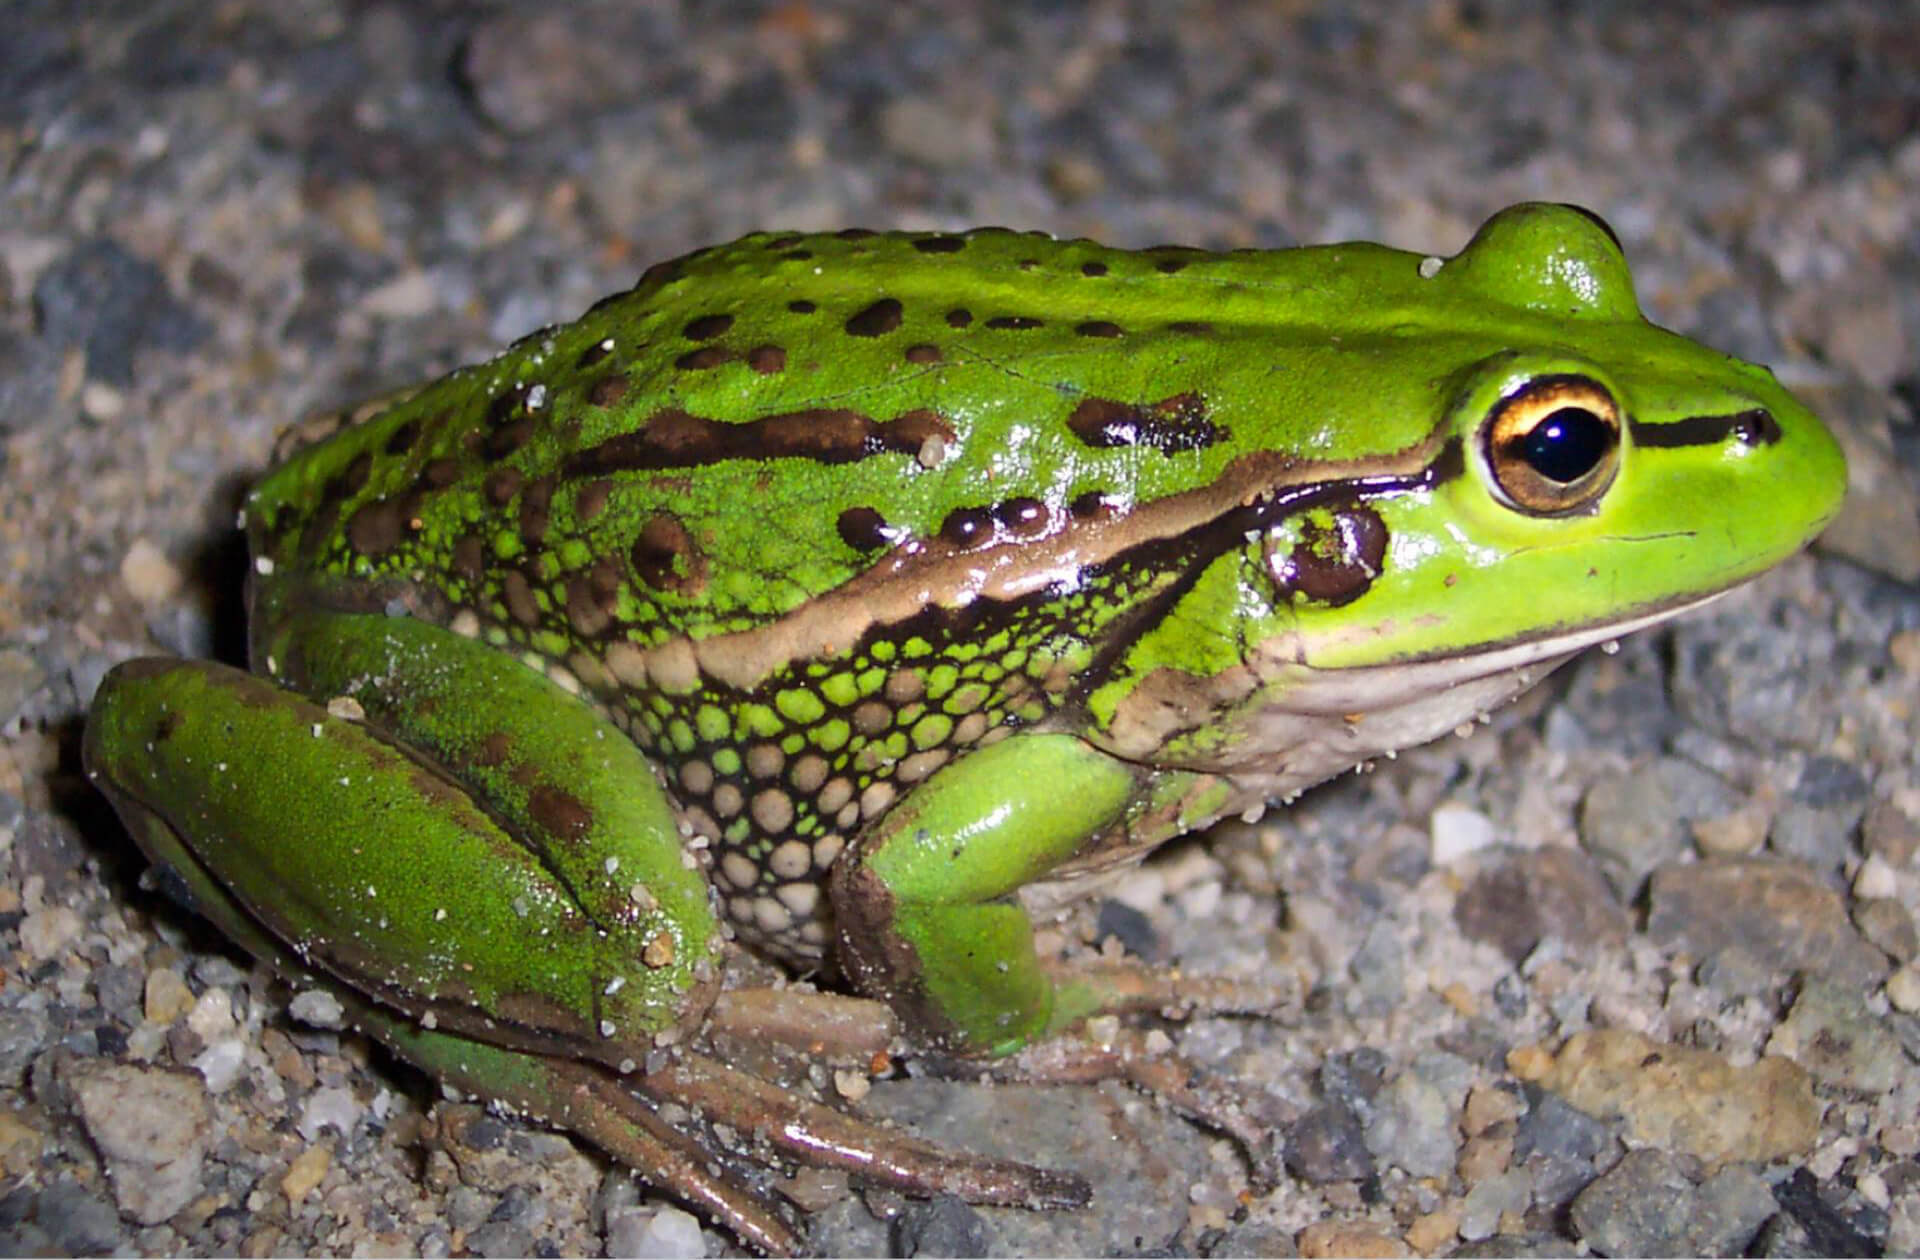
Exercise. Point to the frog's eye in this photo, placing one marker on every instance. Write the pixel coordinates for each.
(1553, 445)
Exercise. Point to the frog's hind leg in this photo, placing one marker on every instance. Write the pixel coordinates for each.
(622, 1117)
(585, 1099)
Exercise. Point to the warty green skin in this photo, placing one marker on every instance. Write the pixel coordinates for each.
(868, 581)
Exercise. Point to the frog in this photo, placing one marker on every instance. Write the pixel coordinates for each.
(857, 598)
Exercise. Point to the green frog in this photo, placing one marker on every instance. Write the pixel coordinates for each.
(849, 595)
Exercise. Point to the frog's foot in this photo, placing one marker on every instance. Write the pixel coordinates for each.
(632, 1118)
(1146, 1059)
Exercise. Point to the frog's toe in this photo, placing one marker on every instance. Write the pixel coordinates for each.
(821, 1137)
(1145, 1059)
(626, 1126)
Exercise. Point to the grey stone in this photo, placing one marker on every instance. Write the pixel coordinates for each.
(1633, 825)
(1733, 972)
(24, 1032)
(1251, 1240)
(501, 1240)
(1817, 837)
(1328, 1144)
(1379, 970)
(29, 395)
(1561, 1146)
(941, 1226)
(1487, 1202)
(1641, 1207)
(468, 1208)
(79, 1222)
(1731, 1207)
(1414, 1125)
(1831, 1033)
(1780, 913)
(106, 300)
(1553, 892)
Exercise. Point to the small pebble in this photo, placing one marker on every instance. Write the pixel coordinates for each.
(333, 1106)
(317, 1007)
(654, 1232)
(305, 1173)
(49, 930)
(149, 576)
(167, 996)
(1875, 879)
(1457, 830)
(1903, 989)
(211, 1018)
(151, 1126)
(222, 1063)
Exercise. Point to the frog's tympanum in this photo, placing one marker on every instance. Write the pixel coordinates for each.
(836, 593)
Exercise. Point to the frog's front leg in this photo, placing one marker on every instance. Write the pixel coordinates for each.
(926, 907)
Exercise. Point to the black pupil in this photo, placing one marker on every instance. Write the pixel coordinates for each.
(1567, 445)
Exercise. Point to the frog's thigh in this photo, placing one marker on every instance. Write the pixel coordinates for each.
(925, 904)
(482, 848)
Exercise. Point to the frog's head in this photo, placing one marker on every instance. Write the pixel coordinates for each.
(1559, 471)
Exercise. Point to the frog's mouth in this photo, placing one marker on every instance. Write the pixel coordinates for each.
(1291, 724)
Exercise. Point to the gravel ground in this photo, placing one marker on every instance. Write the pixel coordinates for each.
(1630, 969)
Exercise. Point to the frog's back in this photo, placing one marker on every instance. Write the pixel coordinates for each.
(752, 425)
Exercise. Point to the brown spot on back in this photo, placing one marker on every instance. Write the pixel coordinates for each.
(440, 473)
(1174, 424)
(1022, 517)
(940, 244)
(863, 528)
(501, 484)
(353, 478)
(1193, 327)
(593, 354)
(507, 439)
(607, 391)
(678, 439)
(800, 306)
(704, 358)
(665, 558)
(878, 319)
(1093, 269)
(959, 317)
(767, 360)
(967, 527)
(376, 528)
(534, 505)
(1091, 505)
(923, 353)
(561, 813)
(707, 327)
(401, 440)
(1097, 328)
